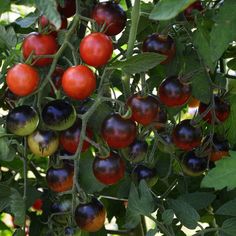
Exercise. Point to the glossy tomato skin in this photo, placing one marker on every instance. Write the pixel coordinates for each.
(160, 119)
(44, 22)
(79, 82)
(142, 172)
(162, 44)
(193, 165)
(118, 132)
(112, 15)
(96, 49)
(38, 203)
(22, 120)
(136, 152)
(144, 109)
(186, 136)
(90, 216)
(68, 9)
(188, 12)
(173, 93)
(43, 142)
(58, 115)
(39, 44)
(22, 79)
(109, 170)
(221, 108)
(60, 179)
(70, 138)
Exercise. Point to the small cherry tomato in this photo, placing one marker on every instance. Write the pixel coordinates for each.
(221, 109)
(162, 44)
(109, 170)
(142, 172)
(68, 9)
(79, 82)
(58, 115)
(39, 44)
(90, 216)
(136, 151)
(112, 15)
(44, 22)
(43, 142)
(196, 6)
(70, 138)
(186, 136)
(96, 49)
(38, 203)
(144, 109)
(118, 132)
(60, 179)
(193, 102)
(22, 79)
(160, 119)
(22, 120)
(192, 164)
(173, 93)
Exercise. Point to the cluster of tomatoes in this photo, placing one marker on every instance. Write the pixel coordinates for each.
(56, 126)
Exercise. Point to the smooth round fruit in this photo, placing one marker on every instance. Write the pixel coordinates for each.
(112, 15)
(144, 109)
(90, 216)
(173, 93)
(193, 102)
(221, 109)
(78, 82)
(22, 79)
(39, 44)
(118, 132)
(96, 49)
(58, 115)
(136, 152)
(60, 179)
(160, 119)
(109, 170)
(38, 203)
(43, 142)
(186, 136)
(70, 138)
(162, 44)
(196, 6)
(168, 146)
(142, 172)
(68, 9)
(44, 22)
(193, 165)
(22, 120)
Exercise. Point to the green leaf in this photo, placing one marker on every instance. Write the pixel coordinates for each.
(223, 31)
(232, 64)
(7, 37)
(168, 9)
(49, 9)
(185, 213)
(27, 21)
(168, 216)
(140, 202)
(152, 232)
(19, 232)
(229, 209)
(17, 205)
(223, 175)
(229, 226)
(139, 63)
(5, 194)
(5, 6)
(198, 200)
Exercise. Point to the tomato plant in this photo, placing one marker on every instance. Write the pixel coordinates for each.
(118, 116)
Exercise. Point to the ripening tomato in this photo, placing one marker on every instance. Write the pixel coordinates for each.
(90, 216)
(22, 120)
(96, 49)
(173, 92)
(160, 119)
(193, 102)
(144, 109)
(39, 44)
(22, 79)
(186, 136)
(70, 138)
(60, 179)
(118, 132)
(162, 44)
(109, 170)
(44, 22)
(68, 9)
(112, 15)
(38, 203)
(78, 82)
(221, 109)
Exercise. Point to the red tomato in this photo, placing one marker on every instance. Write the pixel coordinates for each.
(22, 79)
(44, 22)
(68, 9)
(96, 49)
(39, 44)
(78, 82)
(38, 203)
